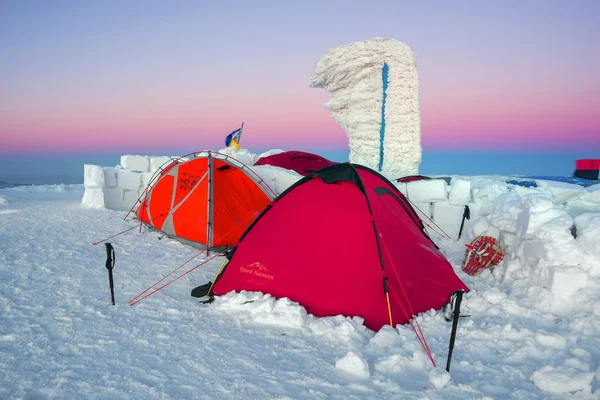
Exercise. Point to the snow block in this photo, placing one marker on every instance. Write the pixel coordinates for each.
(552, 340)
(93, 197)
(562, 379)
(561, 191)
(522, 225)
(242, 155)
(553, 225)
(508, 240)
(284, 180)
(567, 280)
(354, 365)
(489, 192)
(493, 232)
(110, 177)
(537, 202)
(588, 232)
(136, 163)
(459, 192)
(93, 176)
(427, 190)
(439, 378)
(113, 199)
(268, 174)
(593, 194)
(533, 250)
(479, 227)
(130, 198)
(448, 217)
(478, 197)
(578, 207)
(423, 210)
(146, 177)
(157, 162)
(401, 187)
(128, 180)
(529, 191)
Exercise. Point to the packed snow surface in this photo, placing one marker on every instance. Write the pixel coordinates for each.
(530, 329)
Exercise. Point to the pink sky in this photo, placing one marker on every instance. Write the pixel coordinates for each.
(83, 78)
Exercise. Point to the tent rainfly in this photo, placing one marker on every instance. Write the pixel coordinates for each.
(206, 199)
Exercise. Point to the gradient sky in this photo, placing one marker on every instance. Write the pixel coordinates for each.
(170, 77)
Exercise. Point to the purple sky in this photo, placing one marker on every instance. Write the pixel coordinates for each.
(123, 76)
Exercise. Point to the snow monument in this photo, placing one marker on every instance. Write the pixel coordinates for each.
(374, 89)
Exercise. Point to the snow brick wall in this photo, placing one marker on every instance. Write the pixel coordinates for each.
(119, 188)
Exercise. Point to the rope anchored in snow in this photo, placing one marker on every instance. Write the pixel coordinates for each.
(139, 297)
(436, 228)
(410, 318)
(164, 277)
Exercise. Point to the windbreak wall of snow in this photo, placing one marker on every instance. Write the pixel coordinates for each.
(336, 248)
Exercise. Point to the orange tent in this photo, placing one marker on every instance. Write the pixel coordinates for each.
(210, 199)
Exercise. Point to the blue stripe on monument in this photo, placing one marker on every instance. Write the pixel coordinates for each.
(384, 74)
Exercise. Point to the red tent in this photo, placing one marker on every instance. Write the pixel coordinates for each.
(587, 169)
(299, 161)
(210, 199)
(342, 240)
(413, 178)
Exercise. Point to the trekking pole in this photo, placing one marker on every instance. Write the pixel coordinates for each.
(110, 264)
(459, 295)
(466, 215)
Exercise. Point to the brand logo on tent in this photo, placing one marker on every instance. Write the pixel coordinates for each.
(188, 181)
(257, 269)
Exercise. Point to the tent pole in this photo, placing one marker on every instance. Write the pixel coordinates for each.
(387, 296)
(210, 210)
(459, 295)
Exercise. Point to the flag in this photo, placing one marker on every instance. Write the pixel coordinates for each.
(233, 139)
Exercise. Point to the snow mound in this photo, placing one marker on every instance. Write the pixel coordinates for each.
(354, 365)
(263, 309)
(562, 380)
(439, 378)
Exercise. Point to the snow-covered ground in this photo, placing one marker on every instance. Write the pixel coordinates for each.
(528, 332)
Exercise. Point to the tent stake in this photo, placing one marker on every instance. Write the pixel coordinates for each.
(459, 295)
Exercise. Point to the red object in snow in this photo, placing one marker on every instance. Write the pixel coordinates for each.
(299, 161)
(587, 169)
(588, 164)
(484, 252)
(413, 178)
(336, 242)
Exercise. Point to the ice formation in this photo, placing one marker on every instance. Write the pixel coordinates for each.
(374, 87)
